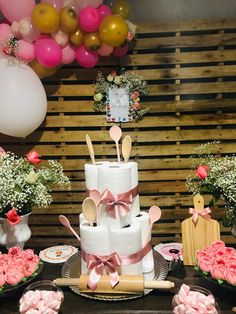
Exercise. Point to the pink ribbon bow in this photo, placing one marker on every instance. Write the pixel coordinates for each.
(97, 264)
(121, 200)
(203, 213)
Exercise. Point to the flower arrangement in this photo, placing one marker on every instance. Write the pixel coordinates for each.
(17, 266)
(135, 84)
(23, 184)
(215, 175)
(218, 261)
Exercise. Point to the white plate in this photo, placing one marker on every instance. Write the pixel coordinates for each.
(170, 250)
(57, 254)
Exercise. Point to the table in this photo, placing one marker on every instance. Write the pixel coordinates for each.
(158, 302)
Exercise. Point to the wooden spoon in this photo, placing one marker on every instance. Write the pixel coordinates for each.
(126, 147)
(115, 133)
(90, 148)
(90, 210)
(96, 196)
(65, 222)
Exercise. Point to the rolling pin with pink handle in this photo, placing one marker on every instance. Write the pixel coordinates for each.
(126, 284)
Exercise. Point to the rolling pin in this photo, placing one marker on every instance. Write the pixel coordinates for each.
(126, 284)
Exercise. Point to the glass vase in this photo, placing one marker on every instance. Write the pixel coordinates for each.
(14, 235)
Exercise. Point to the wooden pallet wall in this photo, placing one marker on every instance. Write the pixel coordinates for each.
(191, 71)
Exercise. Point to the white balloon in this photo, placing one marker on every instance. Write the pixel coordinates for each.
(23, 101)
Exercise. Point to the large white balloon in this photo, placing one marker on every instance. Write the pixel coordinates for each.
(23, 101)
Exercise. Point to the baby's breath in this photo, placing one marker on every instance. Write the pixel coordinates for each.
(23, 185)
(220, 181)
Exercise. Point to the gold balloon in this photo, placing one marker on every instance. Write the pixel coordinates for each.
(121, 7)
(92, 41)
(68, 20)
(113, 30)
(77, 37)
(41, 71)
(45, 18)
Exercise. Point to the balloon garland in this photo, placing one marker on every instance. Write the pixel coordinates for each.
(56, 32)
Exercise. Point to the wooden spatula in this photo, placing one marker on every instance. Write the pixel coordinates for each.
(197, 235)
(126, 147)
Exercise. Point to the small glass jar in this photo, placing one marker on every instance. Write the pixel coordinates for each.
(42, 295)
(197, 289)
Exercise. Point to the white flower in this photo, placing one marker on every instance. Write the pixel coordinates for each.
(110, 78)
(118, 80)
(32, 177)
(98, 97)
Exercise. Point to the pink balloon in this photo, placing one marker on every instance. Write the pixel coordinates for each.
(60, 37)
(120, 51)
(68, 55)
(85, 58)
(14, 10)
(48, 52)
(104, 11)
(89, 19)
(57, 4)
(25, 51)
(5, 32)
(105, 50)
(27, 29)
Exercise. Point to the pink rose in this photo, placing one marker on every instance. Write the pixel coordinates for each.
(113, 73)
(218, 269)
(220, 252)
(205, 263)
(201, 172)
(14, 251)
(217, 244)
(2, 151)
(135, 95)
(29, 268)
(230, 251)
(2, 280)
(14, 275)
(230, 274)
(12, 217)
(33, 157)
(137, 106)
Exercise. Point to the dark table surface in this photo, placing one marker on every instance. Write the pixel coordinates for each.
(154, 302)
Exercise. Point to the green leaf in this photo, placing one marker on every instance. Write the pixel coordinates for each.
(220, 281)
(205, 272)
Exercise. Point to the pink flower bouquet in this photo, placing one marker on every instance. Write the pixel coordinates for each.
(218, 262)
(17, 266)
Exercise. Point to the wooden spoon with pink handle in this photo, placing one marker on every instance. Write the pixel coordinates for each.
(154, 215)
(65, 222)
(115, 133)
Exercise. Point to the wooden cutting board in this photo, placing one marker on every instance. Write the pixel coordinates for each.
(197, 235)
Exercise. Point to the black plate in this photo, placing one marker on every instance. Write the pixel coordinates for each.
(224, 284)
(9, 290)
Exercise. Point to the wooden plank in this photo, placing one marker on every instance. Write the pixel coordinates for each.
(162, 89)
(209, 40)
(155, 106)
(109, 150)
(178, 57)
(180, 26)
(139, 136)
(168, 73)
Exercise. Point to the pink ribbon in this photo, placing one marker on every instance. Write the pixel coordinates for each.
(97, 264)
(204, 213)
(109, 263)
(122, 201)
